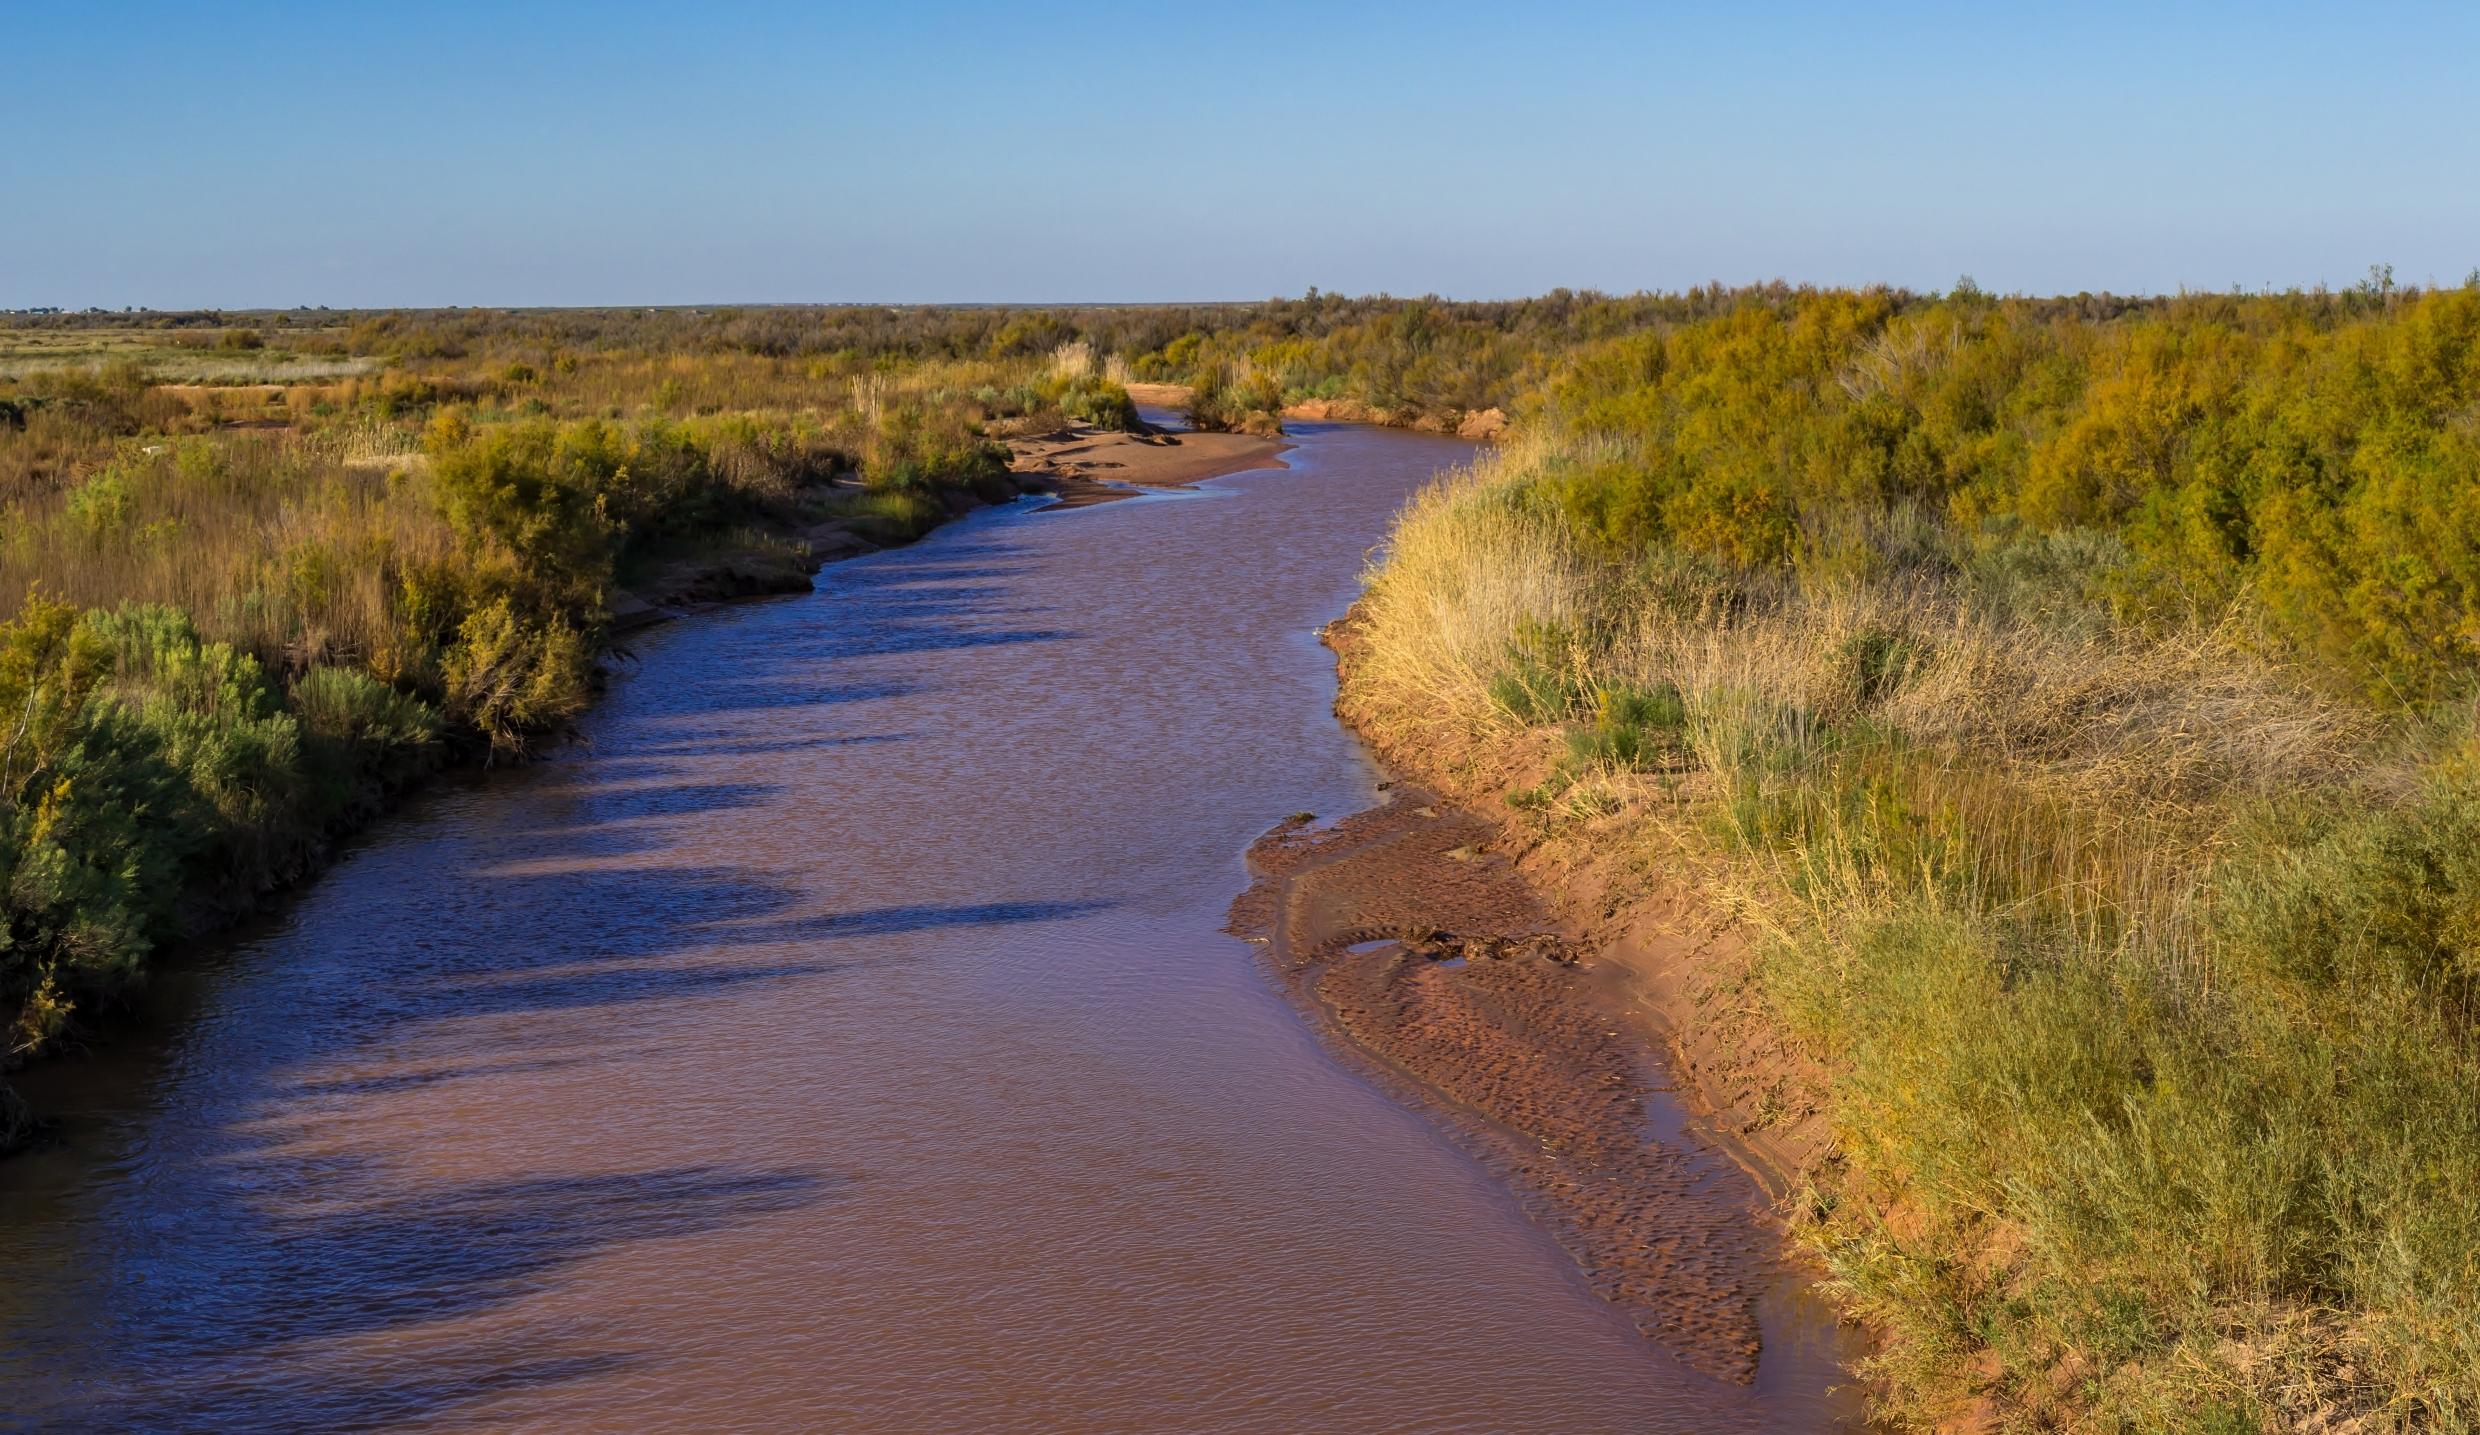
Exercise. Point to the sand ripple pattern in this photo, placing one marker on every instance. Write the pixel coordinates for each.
(1419, 947)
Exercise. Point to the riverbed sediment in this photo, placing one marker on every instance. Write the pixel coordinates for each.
(1085, 465)
(1546, 1019)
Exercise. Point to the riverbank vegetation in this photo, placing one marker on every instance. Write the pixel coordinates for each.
(2073, 695)
(236, 616)
(2076, 701)
(1235, 398)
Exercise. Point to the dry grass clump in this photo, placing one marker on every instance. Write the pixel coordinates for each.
(275, 549)
(1473, 561)
(2141, 962)
(1073, 360)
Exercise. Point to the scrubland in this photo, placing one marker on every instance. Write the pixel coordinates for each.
(2071, 698)
(2075, 709)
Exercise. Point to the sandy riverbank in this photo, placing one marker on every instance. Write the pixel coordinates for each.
(1481, 424)
(1540, 1014)
(1086, 465)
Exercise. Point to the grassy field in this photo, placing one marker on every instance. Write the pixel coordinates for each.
(205, 359)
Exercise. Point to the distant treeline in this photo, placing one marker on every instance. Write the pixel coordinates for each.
(1411, 355)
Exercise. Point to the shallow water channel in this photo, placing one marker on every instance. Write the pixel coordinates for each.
(841, 1037)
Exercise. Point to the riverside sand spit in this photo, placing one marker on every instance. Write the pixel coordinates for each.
(1545, 1039)
(1086, 465)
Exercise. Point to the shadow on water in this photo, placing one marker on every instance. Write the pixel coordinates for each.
(517, 942)
(956, 597)
(414, 1080)
(713, 917)
(615, 806)
(219, 1321)
(298, 1401)
(615, 770)
(215, 1261)
(727, 695)
(647, 803)
(923, 601)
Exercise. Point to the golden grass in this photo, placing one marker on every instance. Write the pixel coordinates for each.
(270, 543)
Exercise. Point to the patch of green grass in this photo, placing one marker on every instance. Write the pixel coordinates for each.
(1632, 727)
(1539, 682)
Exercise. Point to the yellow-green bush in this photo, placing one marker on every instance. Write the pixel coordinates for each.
(1227, 398)
(2139, 960)
(2308, 458)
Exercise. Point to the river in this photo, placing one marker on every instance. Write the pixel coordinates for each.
(840, 1037)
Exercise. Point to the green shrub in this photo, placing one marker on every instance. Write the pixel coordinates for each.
(154, 767)
(511, 679)
(1876, 661)
(895, 515)
(1088, 398)
(1540, 681)
(537, 496)
(362, 737)
(2383, 901)
(102, 506)
(220, 725)
(1632, 727)
(1233, 399)
(917, 449)
(91, 865)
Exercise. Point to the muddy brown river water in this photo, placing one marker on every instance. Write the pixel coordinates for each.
(840, 1039)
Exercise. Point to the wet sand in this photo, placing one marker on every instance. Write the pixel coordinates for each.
(1412, 941)
(1086, 465)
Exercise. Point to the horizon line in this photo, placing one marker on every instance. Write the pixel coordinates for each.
(2379, 278)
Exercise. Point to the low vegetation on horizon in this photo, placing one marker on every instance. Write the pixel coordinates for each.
(2076, 694)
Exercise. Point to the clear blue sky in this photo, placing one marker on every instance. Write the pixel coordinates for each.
(449, 153)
